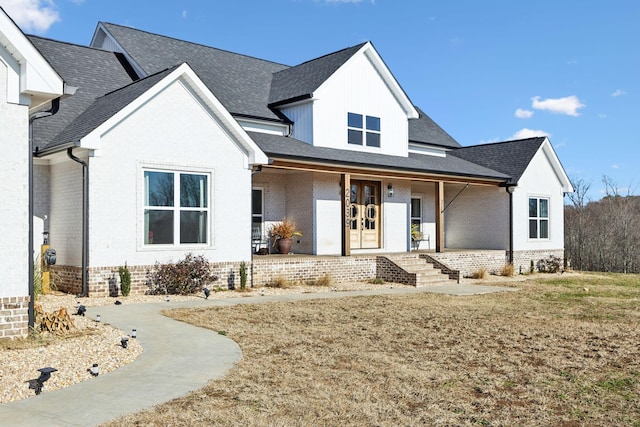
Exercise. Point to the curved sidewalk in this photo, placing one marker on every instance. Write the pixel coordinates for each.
(177, 358)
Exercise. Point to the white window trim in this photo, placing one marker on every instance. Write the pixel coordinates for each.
(548, 218)
(175, 168)
(364, 131)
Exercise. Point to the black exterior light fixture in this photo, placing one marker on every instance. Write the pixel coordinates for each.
(124, 342)
(38, 383)
(81, 310)
(45, 237)
(95, 370)
(207, 292)
(390, 190)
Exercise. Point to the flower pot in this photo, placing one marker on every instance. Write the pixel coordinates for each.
(284, 246)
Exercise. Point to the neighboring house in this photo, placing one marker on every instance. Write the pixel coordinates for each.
(187, 148)
(28, 85)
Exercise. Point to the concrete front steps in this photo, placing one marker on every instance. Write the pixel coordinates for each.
(410, 269)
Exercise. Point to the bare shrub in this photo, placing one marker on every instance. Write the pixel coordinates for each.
(325, 280)
(553, 264)
(187, 276)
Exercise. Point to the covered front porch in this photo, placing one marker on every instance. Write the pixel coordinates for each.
(348, 212)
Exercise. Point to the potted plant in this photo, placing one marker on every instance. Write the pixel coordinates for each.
(416, 236)
(282, 233)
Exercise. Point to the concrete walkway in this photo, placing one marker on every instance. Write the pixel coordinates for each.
(177, 358)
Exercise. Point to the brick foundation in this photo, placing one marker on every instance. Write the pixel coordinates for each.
(14, 317)
(302, 268)
(104, 281)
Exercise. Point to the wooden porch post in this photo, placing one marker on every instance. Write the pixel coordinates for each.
(439, 216)
(346, 201)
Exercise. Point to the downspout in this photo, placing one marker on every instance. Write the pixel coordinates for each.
(55, 106)
(85, 221)
(510, 189)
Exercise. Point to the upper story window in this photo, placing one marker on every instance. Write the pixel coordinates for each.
(363, 130)
(538, 218)
(176, 208)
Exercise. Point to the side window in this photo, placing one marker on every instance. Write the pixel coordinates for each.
(538, 218)
(176, 208)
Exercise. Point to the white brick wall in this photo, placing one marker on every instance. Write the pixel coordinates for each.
(14, 193)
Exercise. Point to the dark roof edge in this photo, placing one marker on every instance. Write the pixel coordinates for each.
(290, 100)
(193, 43)
(390, 168)
(503, 142)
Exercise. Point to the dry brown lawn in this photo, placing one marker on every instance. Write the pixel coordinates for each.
(553, 354)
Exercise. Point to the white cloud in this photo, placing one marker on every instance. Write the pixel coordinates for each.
(529, 133)
(523, 114)
(184, 13)
(615, 166)
(32, 15)
(618, 92)
(489, 141)
(568, 105)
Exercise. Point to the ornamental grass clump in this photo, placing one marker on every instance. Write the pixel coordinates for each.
(185, 277)
(284, 229)
(125, 280)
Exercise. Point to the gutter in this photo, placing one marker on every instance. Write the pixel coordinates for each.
(55, 106)
(85, 221)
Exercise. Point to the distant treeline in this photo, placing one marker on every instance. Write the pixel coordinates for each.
(602, 235)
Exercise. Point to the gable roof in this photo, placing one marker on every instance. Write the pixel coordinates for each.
(94, 72)
(38, 78)
(425, 130)
(301, 81)
(509, 157)
(281, 147)
(240, 82)
(103, 108)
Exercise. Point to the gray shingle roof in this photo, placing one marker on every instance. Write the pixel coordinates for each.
(425, 130)
(509, 157)
(105, 107)
(281, 147)
(95, 72)
(240, 82)
(302, 80)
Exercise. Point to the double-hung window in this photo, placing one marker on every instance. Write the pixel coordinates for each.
(538, 218)
(363, 130)
(176, 208)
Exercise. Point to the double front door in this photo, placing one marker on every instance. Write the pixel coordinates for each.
(364, 215)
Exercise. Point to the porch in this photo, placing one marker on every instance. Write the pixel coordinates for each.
(417, 268)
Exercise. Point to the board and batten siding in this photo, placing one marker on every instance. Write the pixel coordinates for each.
(302, 117)
(358, 88)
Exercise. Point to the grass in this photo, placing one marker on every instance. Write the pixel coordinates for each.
(529, 358)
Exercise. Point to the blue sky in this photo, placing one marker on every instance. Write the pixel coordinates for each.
(485, 71)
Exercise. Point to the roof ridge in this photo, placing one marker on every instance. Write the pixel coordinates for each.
(140, 80)
(326, 54)
(194, 43)
(69, 43)
(504, 142)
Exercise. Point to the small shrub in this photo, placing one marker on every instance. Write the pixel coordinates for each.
(531, 267)
(377, 281)
(480, 273)
(279, 282)
(553, 264)
(125, 280)
(507, 270)
(243, 275)
(184, 277)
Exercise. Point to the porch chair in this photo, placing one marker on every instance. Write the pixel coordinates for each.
(415, 244)
(258, 241)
